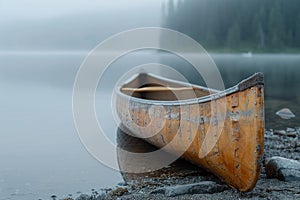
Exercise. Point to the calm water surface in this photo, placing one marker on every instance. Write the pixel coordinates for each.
(40, 151)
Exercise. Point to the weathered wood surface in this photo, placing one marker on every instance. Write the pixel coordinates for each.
(224, 135)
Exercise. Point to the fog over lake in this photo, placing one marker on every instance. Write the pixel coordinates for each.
(43, 44)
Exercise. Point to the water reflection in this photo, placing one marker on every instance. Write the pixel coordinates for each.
(179, 168)
(281, 80)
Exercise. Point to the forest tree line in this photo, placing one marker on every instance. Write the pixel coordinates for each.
(237, 25)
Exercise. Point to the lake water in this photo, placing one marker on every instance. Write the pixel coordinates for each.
(281, 76)
(40, 151)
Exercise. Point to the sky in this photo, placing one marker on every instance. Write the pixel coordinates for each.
(37, 9)
(71, 24)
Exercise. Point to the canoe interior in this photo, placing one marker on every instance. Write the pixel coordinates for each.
(149, 87)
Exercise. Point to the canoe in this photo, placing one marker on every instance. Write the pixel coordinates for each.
(220, 131)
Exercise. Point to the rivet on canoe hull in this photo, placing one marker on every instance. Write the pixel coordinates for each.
(234, 100)
(235, 131)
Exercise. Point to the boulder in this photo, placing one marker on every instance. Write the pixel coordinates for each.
(205, 187)
(285, 113)
(283, 169)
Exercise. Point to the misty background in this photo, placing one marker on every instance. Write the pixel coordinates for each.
(78, 25)
(238, 25)
(43, 44)
(226, 26)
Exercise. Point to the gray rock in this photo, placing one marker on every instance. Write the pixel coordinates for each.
(290, 129)
(283, 169)
(292, 134)
(285, 113)
(205, 187)
(118, 191)
(285, 133)
(101, 195)
(122, 184)
(279, 132)
(83, 197)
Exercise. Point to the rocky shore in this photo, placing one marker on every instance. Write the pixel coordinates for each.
(279, 179)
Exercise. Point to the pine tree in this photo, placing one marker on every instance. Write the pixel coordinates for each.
(276, 27)
(297, 32)
(267, 24)
(233, 36)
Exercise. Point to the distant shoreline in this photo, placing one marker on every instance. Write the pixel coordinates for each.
(254, 51)
(87, 51)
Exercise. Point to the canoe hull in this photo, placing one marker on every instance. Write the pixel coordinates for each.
(224, 134)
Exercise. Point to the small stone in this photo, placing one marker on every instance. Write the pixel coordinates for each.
(292, 134)
(268, 132)
(285, 133)
(118, 192)
(133, 187)
(283, 169)
(53, 197)
(122, 184)
(290, 130)
(83, 197)
(285, 113)
(205, 187)
(101, 195)
(279, 132)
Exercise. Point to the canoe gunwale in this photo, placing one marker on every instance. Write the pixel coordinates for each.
(256, 79)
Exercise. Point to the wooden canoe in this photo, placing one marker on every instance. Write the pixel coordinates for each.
(223, 130)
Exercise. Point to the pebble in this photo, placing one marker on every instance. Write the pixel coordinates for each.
(205, 187)
(279, 132)
(290, 130)
(53, 197)
(101, 195)
(283, 169)
(285, 113)
(83, 197)
(285, 133)
(122, 184)
(118, 192)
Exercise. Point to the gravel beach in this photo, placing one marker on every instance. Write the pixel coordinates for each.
(182, 180)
